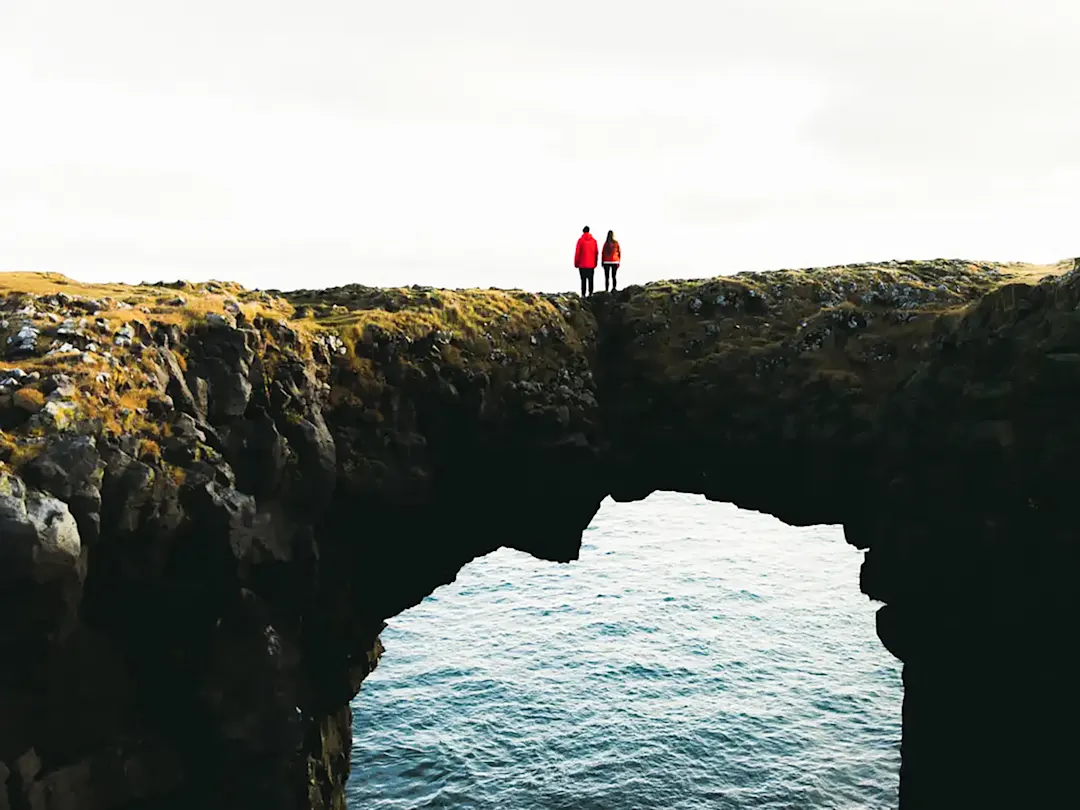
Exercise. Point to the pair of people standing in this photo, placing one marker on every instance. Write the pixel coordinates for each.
(586, 254)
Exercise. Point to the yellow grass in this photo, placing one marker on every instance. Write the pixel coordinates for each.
(149, 303)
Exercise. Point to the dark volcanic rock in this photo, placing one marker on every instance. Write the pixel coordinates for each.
(204, 528)
(69, 467)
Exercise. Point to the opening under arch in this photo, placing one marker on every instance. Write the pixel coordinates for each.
(696, 653)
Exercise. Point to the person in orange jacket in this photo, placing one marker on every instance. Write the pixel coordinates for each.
(585, 255)
(611, 258)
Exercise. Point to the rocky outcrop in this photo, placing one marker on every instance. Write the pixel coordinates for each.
(211, 499)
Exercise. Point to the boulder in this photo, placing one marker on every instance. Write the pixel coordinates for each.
(55, 416)
(70, 468)
(28, 399)
(39, 537)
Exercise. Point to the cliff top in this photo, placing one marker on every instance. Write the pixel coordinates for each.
(73, 353)
(914, 285)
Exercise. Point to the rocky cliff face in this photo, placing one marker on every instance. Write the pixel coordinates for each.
(212, 498)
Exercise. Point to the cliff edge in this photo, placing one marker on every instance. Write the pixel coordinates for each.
(211, 498)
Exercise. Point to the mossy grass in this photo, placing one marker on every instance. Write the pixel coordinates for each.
(798, 319)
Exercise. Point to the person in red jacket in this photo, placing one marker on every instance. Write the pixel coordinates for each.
(585, 255)
(612, 255)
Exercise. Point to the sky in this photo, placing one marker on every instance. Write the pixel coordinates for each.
(287, 145)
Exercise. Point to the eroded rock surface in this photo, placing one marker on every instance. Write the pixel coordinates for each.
(211, 499)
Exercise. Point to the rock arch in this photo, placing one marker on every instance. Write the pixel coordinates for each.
(203, 530)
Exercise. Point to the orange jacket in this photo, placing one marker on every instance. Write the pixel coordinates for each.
(611, 252)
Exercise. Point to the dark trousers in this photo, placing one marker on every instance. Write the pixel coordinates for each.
(586, 274)
(610, 269)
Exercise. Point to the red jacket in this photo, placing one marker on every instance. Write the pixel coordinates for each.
(612, 254)
(586, 252)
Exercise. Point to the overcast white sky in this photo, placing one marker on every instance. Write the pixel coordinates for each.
(286, 144)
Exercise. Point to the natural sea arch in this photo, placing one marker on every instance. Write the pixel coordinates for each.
(922, 408)
(298, 479)
(695, 653)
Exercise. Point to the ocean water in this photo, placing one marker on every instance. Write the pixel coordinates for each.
(696, 656)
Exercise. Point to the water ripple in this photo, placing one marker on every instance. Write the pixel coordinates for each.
(696, 656)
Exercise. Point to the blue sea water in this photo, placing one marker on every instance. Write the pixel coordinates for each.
(696, 656)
